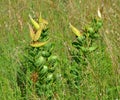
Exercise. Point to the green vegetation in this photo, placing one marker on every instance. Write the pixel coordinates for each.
(59, 62)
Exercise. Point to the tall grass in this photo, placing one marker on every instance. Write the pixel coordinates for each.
(100, 79)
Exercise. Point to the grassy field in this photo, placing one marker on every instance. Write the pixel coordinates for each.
(98, 80)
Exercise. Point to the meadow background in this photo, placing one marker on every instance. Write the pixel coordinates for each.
(103, 83)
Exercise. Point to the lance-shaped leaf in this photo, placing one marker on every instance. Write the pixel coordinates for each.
(32, 33)
(43, 21)
(35, 24)
(38, 34)
(75, 30)
(99, 13)
(38, 44)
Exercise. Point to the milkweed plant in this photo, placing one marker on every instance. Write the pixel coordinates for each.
(39, 63)
(84, 44)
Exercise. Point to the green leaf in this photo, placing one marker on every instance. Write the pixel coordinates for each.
(76, 45)
(52, 59)
(96, 35)
(44, 69)
(49, 77)
(49, 47)
(83, 49)
(80, 39)
(46, 53)
(40, 61)
(90, 30)
(99, 23)
(92, 48)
